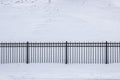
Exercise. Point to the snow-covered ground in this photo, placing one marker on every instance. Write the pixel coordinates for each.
(60, 20)
(59, 72)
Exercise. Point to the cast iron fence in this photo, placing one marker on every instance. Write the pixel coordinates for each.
(60, 52)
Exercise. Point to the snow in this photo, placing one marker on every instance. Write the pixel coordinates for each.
(60, 20)
(59, 72)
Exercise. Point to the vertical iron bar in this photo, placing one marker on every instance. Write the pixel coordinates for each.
(66, 51)
(27, 55)
(106, 53)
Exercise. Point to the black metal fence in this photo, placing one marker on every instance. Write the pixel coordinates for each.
(60, 52)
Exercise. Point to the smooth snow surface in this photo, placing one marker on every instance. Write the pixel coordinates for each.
(59, 72)
(60, 20)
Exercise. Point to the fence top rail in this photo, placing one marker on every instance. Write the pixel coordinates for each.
(62, 44)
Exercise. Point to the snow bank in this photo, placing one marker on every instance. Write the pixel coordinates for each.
(72, 20)
(59, 72)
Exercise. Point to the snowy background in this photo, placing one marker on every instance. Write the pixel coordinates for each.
(60, 20)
